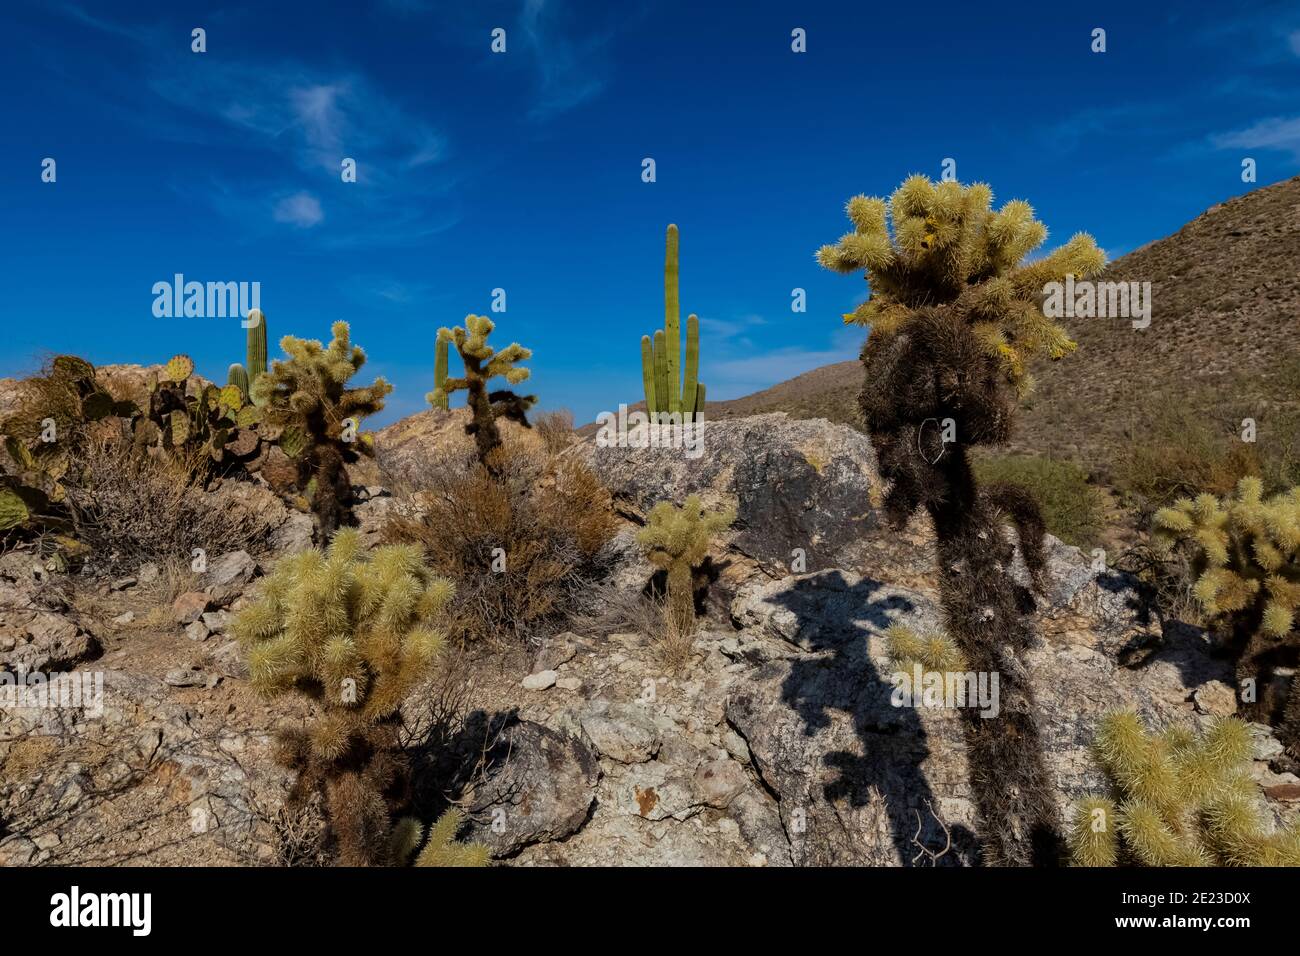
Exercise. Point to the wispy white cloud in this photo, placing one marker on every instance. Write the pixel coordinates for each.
(727, 333)
(568, 51)
(373, 290)
(322, 118)
(301, 210)
(316, 117)
(1279, 133)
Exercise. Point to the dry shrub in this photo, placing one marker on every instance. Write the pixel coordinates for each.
(555, 429)
(1181, 454)
(673, 636)
(616, 610)
(1171, 450)
(1171, 577)
(129, 508)
(549, 514)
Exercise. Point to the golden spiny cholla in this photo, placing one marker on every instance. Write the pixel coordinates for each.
(1247, 566)
(356, 632)
(947, 246)
(1177, 800)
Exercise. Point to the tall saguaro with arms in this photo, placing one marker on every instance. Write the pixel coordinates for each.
(670, 368)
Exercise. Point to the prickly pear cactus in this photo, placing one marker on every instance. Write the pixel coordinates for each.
(178, 368)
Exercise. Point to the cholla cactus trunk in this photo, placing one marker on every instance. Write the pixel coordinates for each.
(681, 596)
(487, 437)
(983, 616)
(322, 468)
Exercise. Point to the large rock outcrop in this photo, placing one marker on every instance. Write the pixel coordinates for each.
(796, 485)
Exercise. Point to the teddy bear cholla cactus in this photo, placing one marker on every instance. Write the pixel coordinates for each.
(955, 319)
(308, 397)
(949, 248)
(482, 364)
(1247, 563)
(677, 540)
(355, 632)
(1178, 800)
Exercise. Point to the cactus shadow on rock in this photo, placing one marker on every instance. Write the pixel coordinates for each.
(893, 739)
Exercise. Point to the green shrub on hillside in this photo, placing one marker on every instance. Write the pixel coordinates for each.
(1072, 508)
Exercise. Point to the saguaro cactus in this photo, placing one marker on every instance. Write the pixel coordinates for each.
(256, 348)
(246, 376)
(483, 363)
(237, 376)
(954, 318)
(670, 368)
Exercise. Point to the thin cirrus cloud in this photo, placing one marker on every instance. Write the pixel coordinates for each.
(314, 117)
(301, 209)
(1279, 133)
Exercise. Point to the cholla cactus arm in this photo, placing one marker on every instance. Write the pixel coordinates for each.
(1093, 837)
(934, 652)
(441, 848)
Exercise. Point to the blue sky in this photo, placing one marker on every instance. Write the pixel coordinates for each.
(522, 170)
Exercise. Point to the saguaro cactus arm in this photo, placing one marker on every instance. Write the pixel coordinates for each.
(661, 372)
(648, 374)
(691, 382)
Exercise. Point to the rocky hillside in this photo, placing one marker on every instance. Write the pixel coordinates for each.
(775, 745)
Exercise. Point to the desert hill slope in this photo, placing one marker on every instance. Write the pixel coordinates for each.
(1222, 344)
